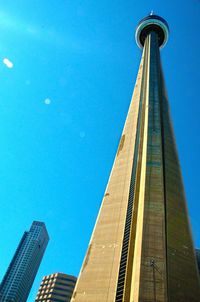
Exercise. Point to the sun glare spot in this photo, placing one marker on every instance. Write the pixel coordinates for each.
(8, 63)
(28, 82)
(82, 134)
(47, 101)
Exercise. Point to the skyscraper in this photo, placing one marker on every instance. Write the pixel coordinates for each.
(141, 248)
(17, 282)
(56, 287)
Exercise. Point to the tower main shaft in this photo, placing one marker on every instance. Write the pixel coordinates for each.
(141, 248)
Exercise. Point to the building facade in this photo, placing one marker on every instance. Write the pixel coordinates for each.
(18, 280)
(141, 248)
(198, 258)
(56, 287)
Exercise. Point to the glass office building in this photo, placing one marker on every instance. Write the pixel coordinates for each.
(18, 280)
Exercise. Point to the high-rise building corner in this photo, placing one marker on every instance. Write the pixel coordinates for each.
(18, 280)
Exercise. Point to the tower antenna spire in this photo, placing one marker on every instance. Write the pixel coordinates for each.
(151, 12)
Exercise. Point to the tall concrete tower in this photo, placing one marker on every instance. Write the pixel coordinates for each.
(141, 249)
(18, 280)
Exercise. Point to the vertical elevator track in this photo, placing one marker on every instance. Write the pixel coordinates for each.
(121, 285)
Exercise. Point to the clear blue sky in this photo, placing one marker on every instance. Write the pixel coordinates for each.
(62, 109)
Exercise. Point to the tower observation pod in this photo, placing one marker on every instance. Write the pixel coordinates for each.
(152, 23)
(141, 248)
